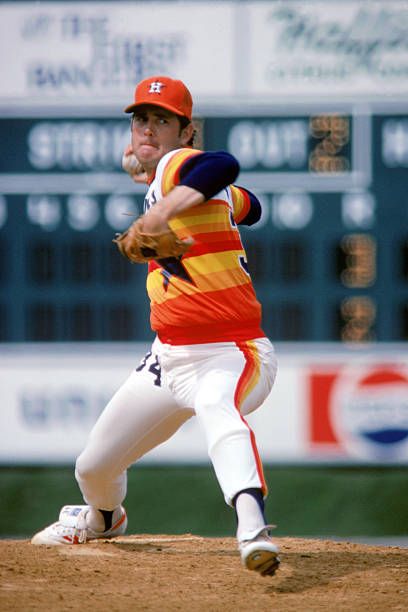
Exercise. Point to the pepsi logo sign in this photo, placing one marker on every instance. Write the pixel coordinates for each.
(361, 412)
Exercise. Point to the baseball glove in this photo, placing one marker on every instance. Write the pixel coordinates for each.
(141, 247)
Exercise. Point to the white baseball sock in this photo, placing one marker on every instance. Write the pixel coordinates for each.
(95, 520)
(250, 516)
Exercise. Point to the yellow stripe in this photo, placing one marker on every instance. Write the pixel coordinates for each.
(210, 263)
(214, 262)
(238, 200)
(200, 216)
(221, 280)
(255, 378)
(172, 166)
(186, 229)
(177, 287)
(220, 206)
(253, 381)
(201, 221)
(214, 281)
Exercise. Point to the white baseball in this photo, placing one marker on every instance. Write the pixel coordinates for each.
(130, 163)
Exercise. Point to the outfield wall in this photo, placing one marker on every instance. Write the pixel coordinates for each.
(330, 404)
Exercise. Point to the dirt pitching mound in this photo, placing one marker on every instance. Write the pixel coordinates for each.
(186, 572)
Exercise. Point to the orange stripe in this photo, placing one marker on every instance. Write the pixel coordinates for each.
(206, 308)
(246, 383)
(119, 522)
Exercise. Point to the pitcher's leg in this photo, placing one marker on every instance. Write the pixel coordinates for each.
(231, 442)
(140, 416)
(236, 383)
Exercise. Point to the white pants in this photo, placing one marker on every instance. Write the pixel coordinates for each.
(219, 383)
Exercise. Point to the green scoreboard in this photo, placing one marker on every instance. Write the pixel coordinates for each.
(329, 257)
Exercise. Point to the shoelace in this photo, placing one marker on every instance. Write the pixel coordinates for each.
(81, 527)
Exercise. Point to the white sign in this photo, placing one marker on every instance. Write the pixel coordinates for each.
(93, 53)
(330, 49)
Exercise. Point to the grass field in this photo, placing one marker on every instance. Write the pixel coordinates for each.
(303, 501)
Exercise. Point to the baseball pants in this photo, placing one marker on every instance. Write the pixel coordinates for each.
(219, 383)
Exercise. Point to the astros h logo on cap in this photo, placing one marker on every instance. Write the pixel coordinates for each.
(163, 91)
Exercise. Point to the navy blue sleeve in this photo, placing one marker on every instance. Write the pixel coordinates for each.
(209, 172)
(255, 210)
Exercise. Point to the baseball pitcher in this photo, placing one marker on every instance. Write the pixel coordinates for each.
(210, 358)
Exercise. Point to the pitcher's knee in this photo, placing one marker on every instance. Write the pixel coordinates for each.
(88, 470)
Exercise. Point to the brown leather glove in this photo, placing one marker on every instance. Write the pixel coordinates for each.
(141, 247)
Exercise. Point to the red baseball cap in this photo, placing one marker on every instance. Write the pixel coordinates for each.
(165, 92)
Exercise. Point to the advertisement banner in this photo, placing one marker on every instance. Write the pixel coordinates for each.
(360, 411)
(93, 53)
(320, 48)
(331, 406)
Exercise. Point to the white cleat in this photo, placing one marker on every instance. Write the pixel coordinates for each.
(259, 553)
(72, 527)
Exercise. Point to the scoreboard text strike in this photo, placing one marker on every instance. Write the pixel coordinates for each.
(329, 258)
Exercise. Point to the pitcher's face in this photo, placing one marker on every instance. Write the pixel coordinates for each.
(155, 132)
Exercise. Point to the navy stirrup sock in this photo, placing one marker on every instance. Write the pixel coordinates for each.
(107, 516)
